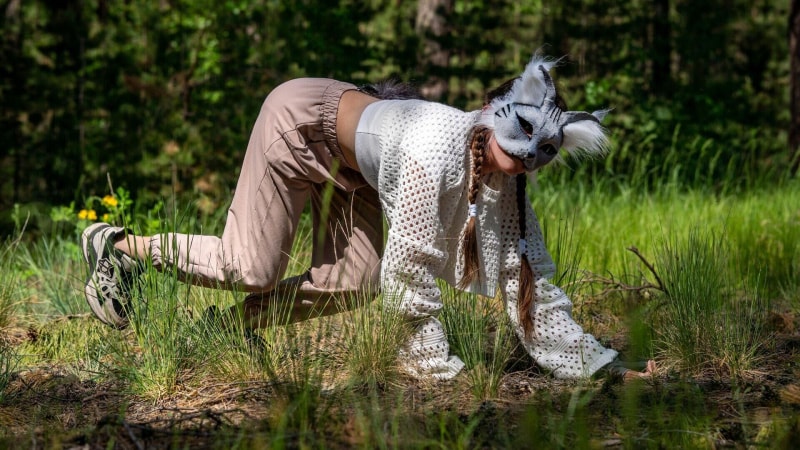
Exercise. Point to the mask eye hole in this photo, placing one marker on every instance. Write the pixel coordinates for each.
(526, 126)
(548, 149)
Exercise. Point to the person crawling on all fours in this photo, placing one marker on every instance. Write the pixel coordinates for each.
(451, 185)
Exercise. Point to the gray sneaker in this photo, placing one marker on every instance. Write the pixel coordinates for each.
(111, 274)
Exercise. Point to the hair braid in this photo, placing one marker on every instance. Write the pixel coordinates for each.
(526, 292)
(477, 147)
(478, 152)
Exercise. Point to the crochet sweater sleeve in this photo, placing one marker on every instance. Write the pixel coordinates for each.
(421, 175)
(557, 343)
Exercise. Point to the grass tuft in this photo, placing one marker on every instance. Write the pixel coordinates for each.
(159, 328)
(712, 320)
(481, 335)
(373, 334)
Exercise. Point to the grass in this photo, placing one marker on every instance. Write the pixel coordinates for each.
(712, 318)
(723, 259)
(10, 284)
(44, 261)
(481, 334)
(373, 335)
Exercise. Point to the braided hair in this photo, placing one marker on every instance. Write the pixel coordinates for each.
(469, 245)
(478, 144)
(526, 291)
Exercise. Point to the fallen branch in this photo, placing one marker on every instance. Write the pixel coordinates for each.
(650, 267)
(612, 285)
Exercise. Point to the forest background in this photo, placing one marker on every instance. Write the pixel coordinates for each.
(682, 245)
(160, 96)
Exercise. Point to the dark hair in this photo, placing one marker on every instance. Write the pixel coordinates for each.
(391, 89)
(499, 91)
(503, 89)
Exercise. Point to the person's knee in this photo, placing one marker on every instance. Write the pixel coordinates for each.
(284, 94)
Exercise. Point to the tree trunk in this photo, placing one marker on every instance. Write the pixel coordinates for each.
(432, 27)
(794, 52)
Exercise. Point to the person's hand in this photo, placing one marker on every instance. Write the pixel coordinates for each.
(649, 371)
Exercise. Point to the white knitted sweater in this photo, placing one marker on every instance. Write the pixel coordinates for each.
(423, 181)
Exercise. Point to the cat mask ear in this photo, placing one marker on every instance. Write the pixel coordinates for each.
(530, 125)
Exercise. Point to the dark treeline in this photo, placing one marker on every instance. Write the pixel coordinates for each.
(161, 95)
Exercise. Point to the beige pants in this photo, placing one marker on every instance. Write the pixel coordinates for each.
(292, 157)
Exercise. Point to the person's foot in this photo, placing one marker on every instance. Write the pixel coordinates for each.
(111, 274)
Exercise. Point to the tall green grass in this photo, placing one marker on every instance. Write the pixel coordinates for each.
(55, 266)
(11, 291)
(10, 298)
(712, 319)
(373, 334)
(480, 333)
(728, 247)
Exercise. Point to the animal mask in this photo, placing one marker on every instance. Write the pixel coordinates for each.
(529, 124)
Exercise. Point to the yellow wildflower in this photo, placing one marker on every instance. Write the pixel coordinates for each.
(87, 214)
(110, 201)
(106, 216)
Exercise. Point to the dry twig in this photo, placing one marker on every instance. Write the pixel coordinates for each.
(650, 267)
(612, 285)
